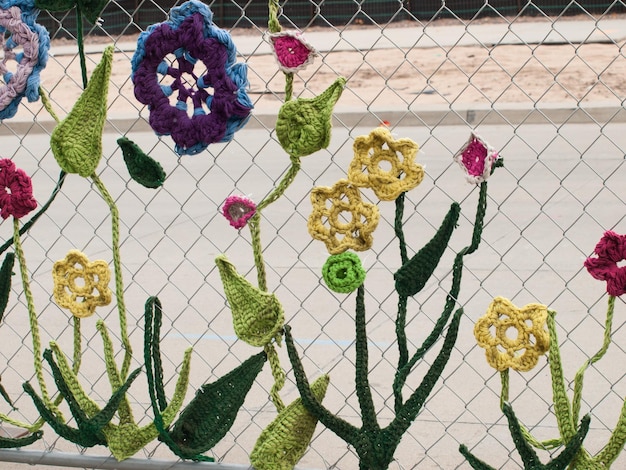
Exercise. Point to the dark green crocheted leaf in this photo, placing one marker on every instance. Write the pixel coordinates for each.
(413, 275)
(6, 271)
(90, 8)
(142, 168)
(211, 413)
(12, 443)
(55, 5)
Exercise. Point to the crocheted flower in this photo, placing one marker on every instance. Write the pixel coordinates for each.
(341, 219)
(513, 337)
(165, 63)
(303, 126)
(477, 159)
(91, 9)
(377, 148)
(343, 272)
(81, 285)
(18, 30)
(16, 196)
(610, 250)
(291, 51)
(238, 210)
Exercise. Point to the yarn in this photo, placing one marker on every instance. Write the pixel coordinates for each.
(291, 51)
(212, 412)
(285, 440)
(75, 280)
(6, 271)
(90, 8)
(14, 442)
(77, 141)
(610, 250)
(351, 221)
(529, 456)
(220, 104)
(18, 20)
(413, 275)
(519, 337)
(16, 191)
(258, 316)
(343, 272)
(380, 147)
(477, 158)
(303, 126)
(141, 167)
(238, 210)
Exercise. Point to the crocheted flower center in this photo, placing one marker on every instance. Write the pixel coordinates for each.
(238, 210)
(290, 51)
(474, 158)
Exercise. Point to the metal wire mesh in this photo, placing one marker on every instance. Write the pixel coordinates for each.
(550, 102)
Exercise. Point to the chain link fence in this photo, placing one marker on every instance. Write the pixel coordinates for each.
(541, 81)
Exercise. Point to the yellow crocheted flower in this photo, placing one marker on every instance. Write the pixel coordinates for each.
(513, 337)
(341, 219)
(76, 279)
(377, 164)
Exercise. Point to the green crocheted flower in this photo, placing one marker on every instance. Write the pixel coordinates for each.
(303, 125)
(343, 272)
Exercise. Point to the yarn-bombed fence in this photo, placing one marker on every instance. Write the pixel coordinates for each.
(545, 98)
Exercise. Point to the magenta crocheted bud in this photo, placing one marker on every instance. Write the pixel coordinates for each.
(610, 250)
(477, 159)
(16, 195)
(291, 51)
(238, 210)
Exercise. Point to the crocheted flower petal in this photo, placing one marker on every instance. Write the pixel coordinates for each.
(141, 167)
(283, 443)
(303, 125)
(211, 413)
(238, 210)
(258, 316)
(77, 141)
(413, 275)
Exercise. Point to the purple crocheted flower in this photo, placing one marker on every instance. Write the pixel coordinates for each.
(477, 159)
(191, 58)
(238, 210)
(610, 250)
(16, 195)
(25, 47)
(291, 51)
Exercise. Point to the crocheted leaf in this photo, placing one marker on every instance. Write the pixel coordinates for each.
(6, 271)
(211, 413)
(303, 125)
(413, 275)
(14, 442)
(90, 8)
(76, 142)
(283, 443)
(258, 316)
(141, 167)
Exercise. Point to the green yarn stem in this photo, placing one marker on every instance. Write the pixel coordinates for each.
(38, 214)
(81, 45)
(288, 86)
(48, 105)
(32, 318)
(504, 393)
(279, 376)
(273, 25)
(580, 374)
(402, 299)
(119, 284)
(398, 227)
(363, 389)
(78, 346)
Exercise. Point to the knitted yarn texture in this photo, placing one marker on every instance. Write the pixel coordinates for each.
(343, 272)
(477, 159)
(141, 167)
(291, 51)
(610, 250)
(16, 191)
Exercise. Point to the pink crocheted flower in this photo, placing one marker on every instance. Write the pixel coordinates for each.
(16, 196)
(291, 51)
(611, 249)
(238, 210)
(477, 159)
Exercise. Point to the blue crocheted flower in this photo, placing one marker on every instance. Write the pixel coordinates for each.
(191, 57)
(18, 30)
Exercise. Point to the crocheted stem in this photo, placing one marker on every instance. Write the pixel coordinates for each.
(38, 214)
(580, 374)
(288, 86)
(48, 105)
(78, 353)
(279, 376)
(504, 393)
(398, 227)
(273, 25)
(81, 45)
(119, 284)
(363, 390)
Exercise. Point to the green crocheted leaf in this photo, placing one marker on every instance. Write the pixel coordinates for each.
(76, 142)
(413, 275)
(142, 168)
(14, 442)
(303, 125)
(6, 271)
(283, 443)
(258, 316)
(90, 8)
(211, 413)
(55, 5)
